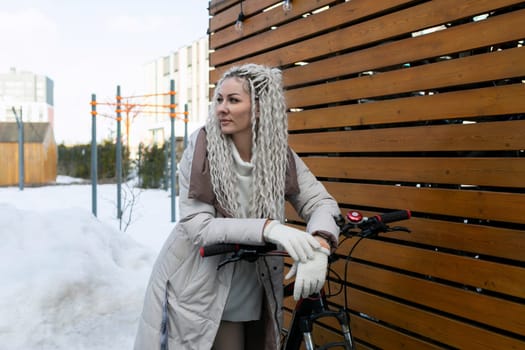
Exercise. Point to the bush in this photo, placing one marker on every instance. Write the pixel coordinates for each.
(75, 161)
(151, 166)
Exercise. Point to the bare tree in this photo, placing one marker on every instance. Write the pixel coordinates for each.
(131, 196)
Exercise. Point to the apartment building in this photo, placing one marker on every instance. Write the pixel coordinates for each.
(189, 68)
(30, 92)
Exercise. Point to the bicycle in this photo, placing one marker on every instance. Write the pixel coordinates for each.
(308, 310)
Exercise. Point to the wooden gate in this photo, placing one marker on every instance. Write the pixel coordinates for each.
(419, 105)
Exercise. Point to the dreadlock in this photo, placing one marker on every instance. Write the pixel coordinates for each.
(269, 144)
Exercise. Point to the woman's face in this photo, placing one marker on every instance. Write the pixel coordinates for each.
(234, 107)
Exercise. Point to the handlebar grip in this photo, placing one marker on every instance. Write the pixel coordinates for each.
(394, 216)
(217, 249)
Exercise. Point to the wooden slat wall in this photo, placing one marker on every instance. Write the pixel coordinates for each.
(387, 120)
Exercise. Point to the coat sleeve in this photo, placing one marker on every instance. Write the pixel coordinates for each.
(315, 205)
(199, 220)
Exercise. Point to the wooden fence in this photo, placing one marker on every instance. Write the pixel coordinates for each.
(418, 105)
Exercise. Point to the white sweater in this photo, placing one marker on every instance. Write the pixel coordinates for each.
(245, 299)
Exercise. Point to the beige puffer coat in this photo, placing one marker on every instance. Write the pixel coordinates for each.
(188, 288)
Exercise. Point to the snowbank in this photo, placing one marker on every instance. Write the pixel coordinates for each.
(68, 281)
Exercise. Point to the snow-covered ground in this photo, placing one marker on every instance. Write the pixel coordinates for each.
(69, 280)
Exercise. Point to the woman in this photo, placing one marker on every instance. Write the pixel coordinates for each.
(235, 176)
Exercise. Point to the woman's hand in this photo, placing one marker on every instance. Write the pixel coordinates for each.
(311, 274)
(324, 243)
(300, 245)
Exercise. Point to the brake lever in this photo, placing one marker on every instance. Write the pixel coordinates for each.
(399, 228)
(235, 257)
(242, 254)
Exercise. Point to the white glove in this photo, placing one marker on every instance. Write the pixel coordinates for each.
(299, 244)
(311, 275)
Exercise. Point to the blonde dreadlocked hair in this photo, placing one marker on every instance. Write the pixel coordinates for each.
(269, 144)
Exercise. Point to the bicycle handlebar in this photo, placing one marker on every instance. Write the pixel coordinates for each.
(375, 224)
(394, 216)
(367, 227)
(217, 249)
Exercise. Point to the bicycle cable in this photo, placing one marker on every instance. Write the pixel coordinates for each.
(338, 278)
(347, 262)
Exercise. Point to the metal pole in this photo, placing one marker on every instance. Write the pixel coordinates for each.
(166, 179)
(172, 148)
(21, 169)
(186, 120)
(94, 157)
(119, 155)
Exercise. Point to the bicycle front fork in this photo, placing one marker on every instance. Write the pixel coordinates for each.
(306, 327)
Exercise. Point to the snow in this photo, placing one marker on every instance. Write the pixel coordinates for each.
(70, 280)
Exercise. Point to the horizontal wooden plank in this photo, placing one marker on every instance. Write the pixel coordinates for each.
(445, 330)
(379, 29)
(468, 237)
(494, 136)
(504, 172)
(255, 23)
(498, 100)
(456, 39)
(471, 238)
(386, 338)
(467, 70)
(464, 204)
(485, 309)
(304, 27)
(476, 273)
(215, 6)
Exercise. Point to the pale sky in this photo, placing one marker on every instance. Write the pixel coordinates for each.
(92, 46)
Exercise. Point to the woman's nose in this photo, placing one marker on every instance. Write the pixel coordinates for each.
(222, 107)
